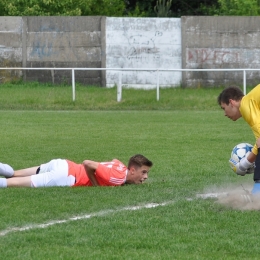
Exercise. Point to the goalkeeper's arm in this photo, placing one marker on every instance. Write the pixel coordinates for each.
(251, 157)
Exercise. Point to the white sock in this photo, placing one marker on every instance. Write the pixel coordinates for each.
(6, 170)
(3, 183)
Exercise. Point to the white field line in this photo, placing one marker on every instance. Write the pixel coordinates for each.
(100, 213)
(212, 195)
(245, 197)
(103, 213)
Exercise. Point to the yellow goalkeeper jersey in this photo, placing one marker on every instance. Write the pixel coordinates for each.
(250, 111)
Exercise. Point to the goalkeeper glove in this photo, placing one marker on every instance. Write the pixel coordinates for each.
(241, 168)
(251, 169)
(244, 164)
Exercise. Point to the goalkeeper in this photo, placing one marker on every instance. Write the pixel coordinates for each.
(235, 105)
(61, 172)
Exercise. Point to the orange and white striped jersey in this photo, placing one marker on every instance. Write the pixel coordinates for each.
(107, 174)
(250, 111)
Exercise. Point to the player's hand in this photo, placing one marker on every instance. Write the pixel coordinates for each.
(245, 165)
(235, 166)
(251, 169)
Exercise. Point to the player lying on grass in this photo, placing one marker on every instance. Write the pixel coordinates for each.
(61, 172)
(235, 105)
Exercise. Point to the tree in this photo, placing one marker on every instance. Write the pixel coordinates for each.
(140, 8)
(234, 7)
(239, 7)
(162, 8)
(64, 7)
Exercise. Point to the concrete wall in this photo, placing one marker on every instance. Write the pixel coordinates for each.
(97, 42)
(64, 42)
(10, 47)
(143, 43)
(220, 42)
(93, 42)
(61, 42)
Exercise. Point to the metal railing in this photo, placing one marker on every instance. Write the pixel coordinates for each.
(120, 70)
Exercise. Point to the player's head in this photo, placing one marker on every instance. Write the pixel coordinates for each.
(139, 160)
(229, 100)
(138, 169)
(230, 93)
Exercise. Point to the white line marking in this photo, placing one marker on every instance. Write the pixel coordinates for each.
(211, 195)
(106, 212)
(100, 213)
(245, 197)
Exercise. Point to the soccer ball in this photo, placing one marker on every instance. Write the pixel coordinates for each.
(240, 151)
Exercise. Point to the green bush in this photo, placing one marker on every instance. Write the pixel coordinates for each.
(63, 8)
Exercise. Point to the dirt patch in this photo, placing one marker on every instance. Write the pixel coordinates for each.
(236, 197)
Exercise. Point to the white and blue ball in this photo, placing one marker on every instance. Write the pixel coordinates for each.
(240, 151)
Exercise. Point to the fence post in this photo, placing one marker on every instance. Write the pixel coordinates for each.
(244, 81)
(73, 84)
(119, 87)
(157, 85)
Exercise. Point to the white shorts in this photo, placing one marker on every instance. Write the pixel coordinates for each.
(53, 173)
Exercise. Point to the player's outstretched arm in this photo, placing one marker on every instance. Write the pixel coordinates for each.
(90, 168)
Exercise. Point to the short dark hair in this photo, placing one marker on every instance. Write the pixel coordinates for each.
(232, 92)
(139, 160)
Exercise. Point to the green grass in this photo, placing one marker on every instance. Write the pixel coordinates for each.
(52, 97)
(186, 136)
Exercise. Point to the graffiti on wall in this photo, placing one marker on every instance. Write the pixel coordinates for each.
(142, 49)
(212, 56)
(151, 43)
(221, 56)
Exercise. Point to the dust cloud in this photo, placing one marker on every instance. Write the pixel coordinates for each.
(236, 197)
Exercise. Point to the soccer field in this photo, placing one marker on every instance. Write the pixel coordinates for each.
(161, 219)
